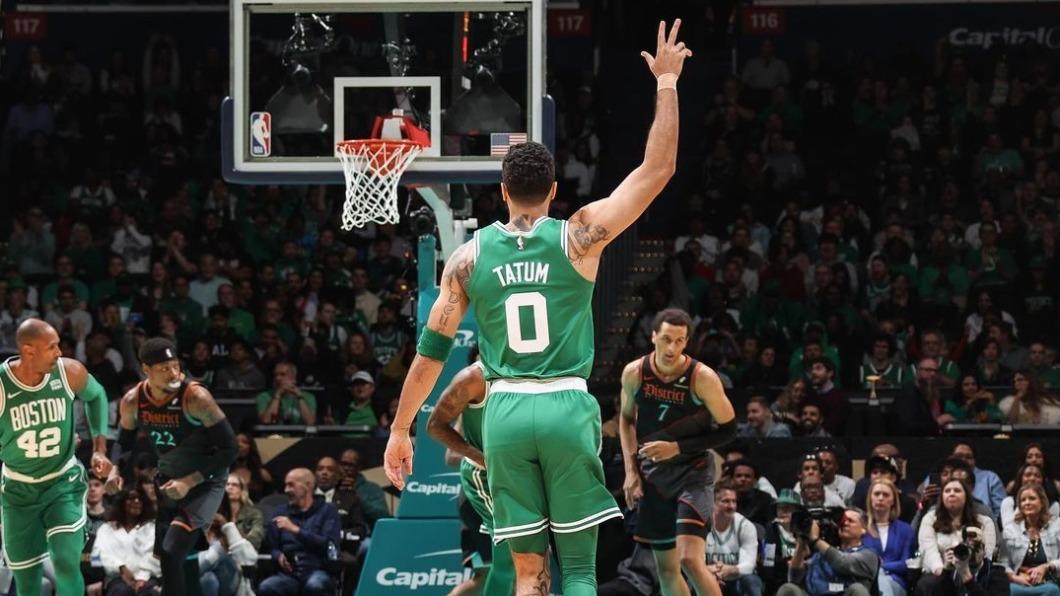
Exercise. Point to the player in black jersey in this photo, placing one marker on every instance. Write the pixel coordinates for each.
(195, 446)
(673, 410)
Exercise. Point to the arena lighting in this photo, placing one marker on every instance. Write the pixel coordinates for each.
(300, 105)
(486, 107)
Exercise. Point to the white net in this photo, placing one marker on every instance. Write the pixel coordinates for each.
(372, 169)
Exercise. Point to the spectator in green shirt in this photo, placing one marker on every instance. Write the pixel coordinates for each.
(362, 388)
(241, 321)
(286, 403)
(933, 345)
(186, 309)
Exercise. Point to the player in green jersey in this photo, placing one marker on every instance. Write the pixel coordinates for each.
(531, 283)
(43, 484)
(464, 402)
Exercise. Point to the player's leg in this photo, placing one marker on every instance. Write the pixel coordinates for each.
(64, 517)
(501, 577)
(177, 556)
(656, 519)
(23, 532)
(567, 425)
(668, 565)
(694, 508)
(517, 487)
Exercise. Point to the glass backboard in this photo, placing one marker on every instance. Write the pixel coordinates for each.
(466, 76)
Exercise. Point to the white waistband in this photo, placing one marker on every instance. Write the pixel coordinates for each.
(542, 386)
(8, 472)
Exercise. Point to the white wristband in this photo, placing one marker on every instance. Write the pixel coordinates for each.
(667, 80)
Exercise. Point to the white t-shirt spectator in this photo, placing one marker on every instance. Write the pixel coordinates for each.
(735, 545)
(766, 75)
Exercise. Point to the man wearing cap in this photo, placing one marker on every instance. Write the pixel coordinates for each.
(778, 544)
(362, 388)
(195, 446)
(883, 467)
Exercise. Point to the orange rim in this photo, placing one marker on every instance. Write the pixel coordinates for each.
(351, 145)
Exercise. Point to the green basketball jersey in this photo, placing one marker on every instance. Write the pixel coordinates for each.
(36, 423)
(471, 418)
(533, 308)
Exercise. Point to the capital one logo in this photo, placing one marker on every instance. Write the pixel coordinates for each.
(1048, 37)
(465, 338)
(438, 487)
(413, 580)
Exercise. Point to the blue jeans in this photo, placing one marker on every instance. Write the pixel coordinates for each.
(317, 583)
(744, 585)
(1044, 589)
(889, 586)
(222, 579)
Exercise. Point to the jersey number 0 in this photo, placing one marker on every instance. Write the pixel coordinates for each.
(516, 341)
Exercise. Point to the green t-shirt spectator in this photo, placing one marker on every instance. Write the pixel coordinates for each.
(937, 287)
(289, 412)
(361, 416)
(189, 312)
(49, 296)
(996, 268)
(242, 323)
(946, 367)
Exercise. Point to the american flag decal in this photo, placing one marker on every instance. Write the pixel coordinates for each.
(501, 142)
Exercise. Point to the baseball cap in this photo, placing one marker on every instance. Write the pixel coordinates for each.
(788, 497)
(16, 283)
(361, 376)
(880, 462)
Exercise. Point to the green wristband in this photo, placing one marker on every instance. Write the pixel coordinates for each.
(434, 345)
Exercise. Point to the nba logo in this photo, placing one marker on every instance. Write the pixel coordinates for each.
(260, 134)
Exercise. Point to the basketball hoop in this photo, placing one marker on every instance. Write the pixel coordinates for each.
(372, 168)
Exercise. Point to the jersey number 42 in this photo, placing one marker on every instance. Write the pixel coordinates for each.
(42, 444)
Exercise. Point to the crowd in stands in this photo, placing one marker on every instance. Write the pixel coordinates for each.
(877, 225)
(884, 533)
(120, 228)
(888, 225)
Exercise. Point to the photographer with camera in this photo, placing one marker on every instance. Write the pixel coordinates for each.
(818, 567)
(956, 545)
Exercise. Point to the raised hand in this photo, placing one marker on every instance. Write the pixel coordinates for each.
(670, 54)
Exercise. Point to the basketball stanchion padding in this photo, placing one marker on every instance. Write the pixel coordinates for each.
(372, 168)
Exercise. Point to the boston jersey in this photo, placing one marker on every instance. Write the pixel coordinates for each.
(36, 423)
(533, 308)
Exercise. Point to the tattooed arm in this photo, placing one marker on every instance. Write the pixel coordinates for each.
(445, 317)
(596, 224)
(467, 387)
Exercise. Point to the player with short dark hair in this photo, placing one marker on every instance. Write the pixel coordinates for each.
(531, 282)
(464, 402)
(195, 446)
(43, 483)
(663, 393)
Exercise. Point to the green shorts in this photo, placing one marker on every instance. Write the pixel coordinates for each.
(477, 492)
(34, 512)
(542, 445)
